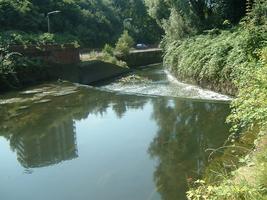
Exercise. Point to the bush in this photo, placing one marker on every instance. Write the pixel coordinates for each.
(10, 64)
(107, 55)
(176, 27)
(216, 59)
(124, 44)
(108, 49)
(226, 190)
(238, 56)
(22, 38)
(249, 109)
(7, 61)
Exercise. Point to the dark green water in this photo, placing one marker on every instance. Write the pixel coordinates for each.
(61, 141)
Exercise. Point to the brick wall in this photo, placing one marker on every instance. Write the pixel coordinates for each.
(62, 54)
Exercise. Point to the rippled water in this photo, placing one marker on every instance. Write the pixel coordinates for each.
(158, 81)
(62, 141)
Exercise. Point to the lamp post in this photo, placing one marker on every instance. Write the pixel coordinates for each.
(48, 19)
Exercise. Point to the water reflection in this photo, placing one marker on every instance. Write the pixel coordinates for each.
(44, 147)
(186, 130)
(40, 126)
(42, 133)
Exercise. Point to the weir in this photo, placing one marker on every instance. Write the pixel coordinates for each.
(63, 63)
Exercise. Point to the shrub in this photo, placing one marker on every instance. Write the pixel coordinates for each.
(124, 44)
(10, 64)
(22, 38)
(226, 190)
(108, 49)
(216, 58)
(249, 109)
(106, 55)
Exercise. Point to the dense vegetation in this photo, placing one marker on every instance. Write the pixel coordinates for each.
(93, 23)
(220, 44)
(223, 45)
(84, 23)
(183, 18)
(109, 54)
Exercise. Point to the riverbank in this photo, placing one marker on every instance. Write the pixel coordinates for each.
(234, 62)
(239, 173)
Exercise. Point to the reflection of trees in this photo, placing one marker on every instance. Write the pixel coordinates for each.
(186, 130)
(44, 134)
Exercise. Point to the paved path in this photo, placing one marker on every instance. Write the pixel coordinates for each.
(145, 50)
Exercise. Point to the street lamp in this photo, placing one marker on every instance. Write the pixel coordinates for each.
(48, 19)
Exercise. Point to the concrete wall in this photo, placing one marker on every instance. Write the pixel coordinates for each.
(83, 73)
(138, 58)
(64, 63)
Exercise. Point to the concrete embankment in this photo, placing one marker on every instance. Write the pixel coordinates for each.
(84, 73)
(64, 63)
(142, 57)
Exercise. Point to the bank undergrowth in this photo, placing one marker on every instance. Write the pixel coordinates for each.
(217, 58)
(113, 54)
(232, 61)
(8, 38)
(13, 65)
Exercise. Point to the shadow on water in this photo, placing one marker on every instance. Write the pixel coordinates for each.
(185, 131)
(41, 127)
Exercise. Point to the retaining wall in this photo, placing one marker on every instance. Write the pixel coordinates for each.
(138, 58)
(84, 73)
(63, 54)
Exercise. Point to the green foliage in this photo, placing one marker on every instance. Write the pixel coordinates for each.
(217, 57)
(223, 58)
(245, 183)
(177, 27)
(22, 38)
(158, 9)
(20, 15)
(250, 107)
(107, 55)
(124, 44)
(10, 63)
(140, 25)
(258, 15)
(237, 58)
(108, 49)
(194, 16)
(7, 60)
(226, 190)
(94, 22)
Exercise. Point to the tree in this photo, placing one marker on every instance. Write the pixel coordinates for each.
(124, 44)
(142, 27)
(194, 16)
(94, 22)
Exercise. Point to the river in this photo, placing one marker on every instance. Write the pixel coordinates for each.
(140, 137)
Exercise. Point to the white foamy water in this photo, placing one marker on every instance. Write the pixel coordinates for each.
(201, 93)
(156, 81)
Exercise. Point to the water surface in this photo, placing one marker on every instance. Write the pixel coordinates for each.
(62, 141)
(157, 81)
